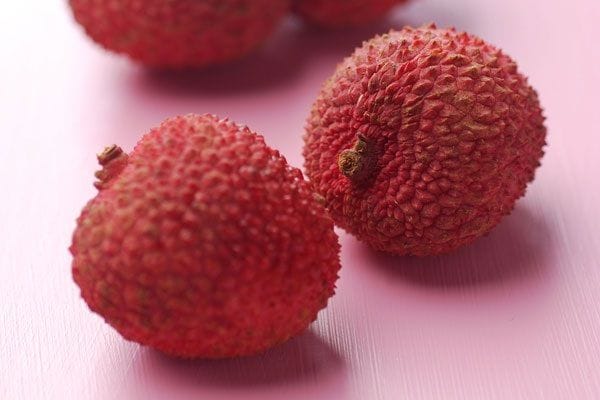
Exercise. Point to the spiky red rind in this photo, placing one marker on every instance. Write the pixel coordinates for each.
(458, 134)
(207, 244)
(343, 13)
(179, 33)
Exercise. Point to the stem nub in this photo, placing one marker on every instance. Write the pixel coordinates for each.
(112, 159)
(358, 163)
(109, 153)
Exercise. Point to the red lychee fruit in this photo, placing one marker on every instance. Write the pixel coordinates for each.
(204, 242)
(343, 13)
(423, 139)
(179, 33)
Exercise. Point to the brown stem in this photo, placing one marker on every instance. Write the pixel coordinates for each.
(358, 163)
(112, 159)
(109, 153)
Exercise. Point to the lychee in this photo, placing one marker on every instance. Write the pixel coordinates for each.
(204, 242)
(179, 33)
(423, 139)
(343, 13)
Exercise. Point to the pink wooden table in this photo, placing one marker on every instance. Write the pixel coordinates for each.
(514, 316)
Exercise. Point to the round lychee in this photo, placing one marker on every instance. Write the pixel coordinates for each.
(423, 139)
(179, 33)
(204, 242)
(343, 13)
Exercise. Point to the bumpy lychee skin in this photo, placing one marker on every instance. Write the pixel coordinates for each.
(423, 139)
(343, 13)
(179, 33)
(204, 242)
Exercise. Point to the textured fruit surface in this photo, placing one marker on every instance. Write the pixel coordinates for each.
(179, 33)
(204, 242)
(343, 13)
(423, 139)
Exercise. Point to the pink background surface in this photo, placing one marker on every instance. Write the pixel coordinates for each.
(513, 316)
